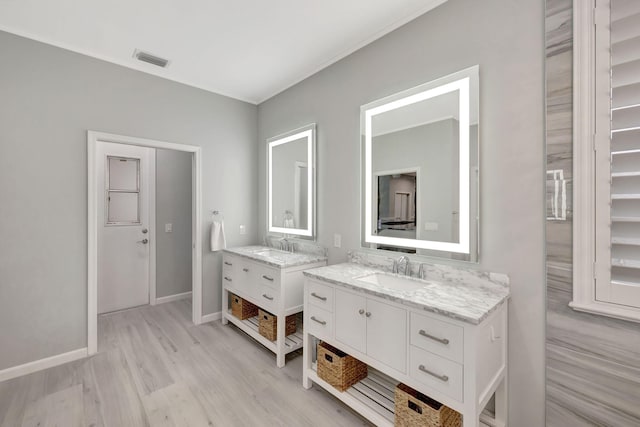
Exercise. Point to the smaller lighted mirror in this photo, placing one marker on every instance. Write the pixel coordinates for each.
(290, 180)
(420, 166)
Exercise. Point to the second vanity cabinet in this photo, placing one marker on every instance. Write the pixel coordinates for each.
(459, 363)
(272, 280)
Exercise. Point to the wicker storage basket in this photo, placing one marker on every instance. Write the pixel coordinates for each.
(338, 368)
(268, 325)
(414, 409)
(242, 309)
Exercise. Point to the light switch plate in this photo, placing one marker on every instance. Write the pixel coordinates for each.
(337, 240)
(431, 226)
(168, 228)
(243, 229)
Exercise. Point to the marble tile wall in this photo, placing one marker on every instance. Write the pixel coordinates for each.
(593, 362)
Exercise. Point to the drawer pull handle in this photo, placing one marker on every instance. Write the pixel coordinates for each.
(440, 340)
(322, 322)
(246, 270)
(267, 297)
(361, 311)
(313, 294)
(227, 279)
(443, 378)
(268, 278)
(227, 263)
(368, 314)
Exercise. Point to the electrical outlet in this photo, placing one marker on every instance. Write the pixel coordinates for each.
(337, 240)
(168, 228)
(243, 229)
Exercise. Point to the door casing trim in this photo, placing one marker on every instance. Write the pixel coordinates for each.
(93, 138)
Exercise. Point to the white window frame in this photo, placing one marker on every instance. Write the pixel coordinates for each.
(591, 132)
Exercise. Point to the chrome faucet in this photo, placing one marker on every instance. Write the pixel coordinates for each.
(404, 262)
(285, 245)
(421, 272)
(277, 242)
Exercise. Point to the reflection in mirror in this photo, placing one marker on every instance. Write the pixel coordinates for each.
(291, 183)
(420, 166)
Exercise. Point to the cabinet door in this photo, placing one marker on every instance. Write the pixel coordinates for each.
(350, 321)
(387, 334)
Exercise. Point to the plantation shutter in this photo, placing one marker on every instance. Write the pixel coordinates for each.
(619, 165)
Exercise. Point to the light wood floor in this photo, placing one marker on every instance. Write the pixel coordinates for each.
(155, 368)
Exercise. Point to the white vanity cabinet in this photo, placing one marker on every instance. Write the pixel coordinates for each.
(275, 285)
(457, 363)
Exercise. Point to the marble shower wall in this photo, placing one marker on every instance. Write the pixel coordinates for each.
(593, 362)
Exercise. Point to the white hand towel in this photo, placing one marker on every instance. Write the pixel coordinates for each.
(218, 241)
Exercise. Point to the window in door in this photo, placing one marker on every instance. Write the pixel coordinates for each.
(123, 191)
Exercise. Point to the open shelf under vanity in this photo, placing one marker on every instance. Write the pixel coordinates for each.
(375, 396)
(250, 326)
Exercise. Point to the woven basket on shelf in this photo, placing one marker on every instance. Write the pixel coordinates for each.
(242, 309)
(268, 325)
(414, 409)
(338, 368)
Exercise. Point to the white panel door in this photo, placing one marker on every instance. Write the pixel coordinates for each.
(124, 234)
(387, 334)
(351, 324)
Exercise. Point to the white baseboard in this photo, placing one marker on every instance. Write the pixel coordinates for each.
(175, 297)
(39, 365)
(212, 317)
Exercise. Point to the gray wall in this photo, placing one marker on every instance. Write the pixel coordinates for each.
(49, 98)
(173, 205)
(593, 362)
(506, 40)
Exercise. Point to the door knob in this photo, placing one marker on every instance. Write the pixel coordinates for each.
(143, 241)
(145, 231)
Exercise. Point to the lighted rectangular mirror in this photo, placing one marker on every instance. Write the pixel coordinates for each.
(291, 182)
(420, 169)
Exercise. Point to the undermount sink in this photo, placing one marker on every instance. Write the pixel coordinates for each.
(273, 253)
(393, 282)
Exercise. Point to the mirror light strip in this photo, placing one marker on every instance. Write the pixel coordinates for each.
(308, 134)
(462, 86)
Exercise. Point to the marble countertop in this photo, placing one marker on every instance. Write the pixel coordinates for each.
(456, 293)
(275, 257)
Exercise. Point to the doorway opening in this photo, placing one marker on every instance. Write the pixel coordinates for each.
(122, 232)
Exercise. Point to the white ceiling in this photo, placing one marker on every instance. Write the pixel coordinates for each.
(246, 49)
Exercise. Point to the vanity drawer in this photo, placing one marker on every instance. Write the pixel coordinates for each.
(229, 280)
(441, 338)
(320, 295)
(319, 322)
(228, 263)
(436, 372)
(267, 298)
(268, 276)
(230, 269)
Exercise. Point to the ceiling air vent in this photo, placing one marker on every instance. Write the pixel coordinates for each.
(149, 58)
